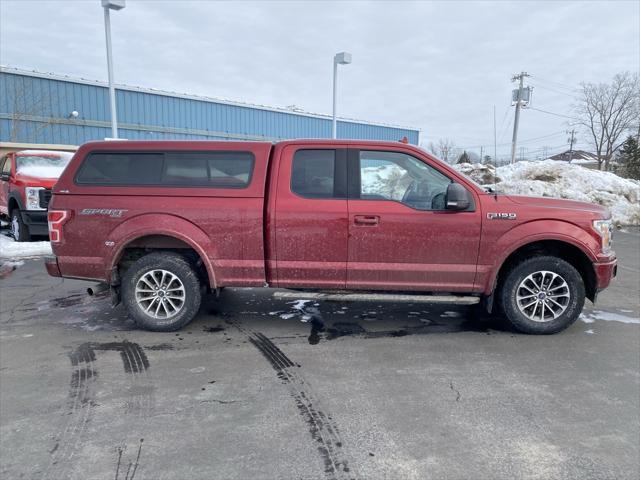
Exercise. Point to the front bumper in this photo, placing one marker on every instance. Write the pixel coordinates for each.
(605, 272)
(36, 221)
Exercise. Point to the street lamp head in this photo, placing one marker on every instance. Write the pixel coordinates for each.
(113, 4)
(342, 58)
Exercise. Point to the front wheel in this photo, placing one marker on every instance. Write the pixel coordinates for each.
(19, 230)
(542, 295)
(161, 292)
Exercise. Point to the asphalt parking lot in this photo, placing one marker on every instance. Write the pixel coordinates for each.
(262, 388)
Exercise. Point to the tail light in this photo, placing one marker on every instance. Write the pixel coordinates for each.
(56, 219)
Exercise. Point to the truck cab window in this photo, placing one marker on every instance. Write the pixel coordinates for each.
(6, 167)
(402, 178)
(313, 173)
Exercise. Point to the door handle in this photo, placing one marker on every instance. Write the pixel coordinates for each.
(366, 220)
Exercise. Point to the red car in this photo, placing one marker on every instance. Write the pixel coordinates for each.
(161, 223)
(26, 179)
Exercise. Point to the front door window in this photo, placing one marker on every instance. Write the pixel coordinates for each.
(402, 178)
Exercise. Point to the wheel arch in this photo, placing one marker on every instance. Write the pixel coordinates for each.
(13, 202)
(563, 249)
(148, 233)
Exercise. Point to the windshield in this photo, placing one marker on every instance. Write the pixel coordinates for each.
(42, 164)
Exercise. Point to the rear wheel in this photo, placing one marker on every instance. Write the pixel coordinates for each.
(19, 230)
(542, 295)
(161, 292)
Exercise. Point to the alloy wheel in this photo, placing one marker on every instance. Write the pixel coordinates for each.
(543, 296)
(160, 294)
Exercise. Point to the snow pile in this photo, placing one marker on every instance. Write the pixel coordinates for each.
(388, 181)
(482, 174)
(550, 178)
(11, 249)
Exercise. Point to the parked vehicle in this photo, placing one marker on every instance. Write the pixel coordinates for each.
(26, 179)
(162, 223)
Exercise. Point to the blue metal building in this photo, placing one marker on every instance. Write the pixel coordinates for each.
(48, 108)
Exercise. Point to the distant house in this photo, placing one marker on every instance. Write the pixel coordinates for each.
(578, 157)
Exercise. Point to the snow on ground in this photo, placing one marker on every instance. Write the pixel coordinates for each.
(298, 304)
(607, 317)
(11, 249)
(551, 178)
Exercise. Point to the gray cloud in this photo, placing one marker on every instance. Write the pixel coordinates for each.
(439, 66)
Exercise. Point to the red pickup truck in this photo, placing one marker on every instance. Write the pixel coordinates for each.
(26, 179)
(162, 223)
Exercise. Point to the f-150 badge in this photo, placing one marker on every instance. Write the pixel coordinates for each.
(501, 216)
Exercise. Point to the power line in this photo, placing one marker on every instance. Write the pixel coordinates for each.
(541, 149)
(526, 140)
(552, 113)
(555, 91)
(506, 129)
(542, 136)
(558, 84)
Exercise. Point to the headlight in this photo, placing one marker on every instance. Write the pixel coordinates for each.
(33, 198)
(604, 229)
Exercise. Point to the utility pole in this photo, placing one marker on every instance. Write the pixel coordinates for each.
(572, 140)
(517, 119)
(481, 154)
(495, 138)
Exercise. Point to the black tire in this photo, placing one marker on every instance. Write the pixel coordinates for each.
(19, 230)
(511, 285)
(176, 265)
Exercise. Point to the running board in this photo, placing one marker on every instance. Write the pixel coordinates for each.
(378, 297)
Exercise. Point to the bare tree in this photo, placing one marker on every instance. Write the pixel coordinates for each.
(28, 109)
(608, 111)
(445, 150)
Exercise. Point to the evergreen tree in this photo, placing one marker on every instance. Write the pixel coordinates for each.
(630, 157)
(464, 158)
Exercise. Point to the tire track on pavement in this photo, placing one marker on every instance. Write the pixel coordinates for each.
(82, 402)
(322, 428)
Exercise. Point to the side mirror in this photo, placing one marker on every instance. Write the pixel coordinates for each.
(4, 177)
(457, 197)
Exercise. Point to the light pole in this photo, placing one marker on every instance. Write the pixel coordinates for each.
(111, 5)
(342, 58)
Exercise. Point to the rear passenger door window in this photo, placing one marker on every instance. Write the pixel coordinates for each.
(319, 174)
(171, 169)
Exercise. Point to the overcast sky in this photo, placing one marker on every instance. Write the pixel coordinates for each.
(440, 66)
